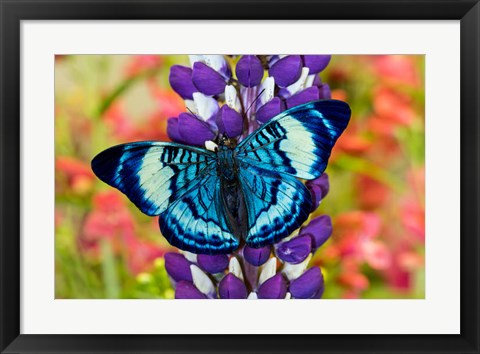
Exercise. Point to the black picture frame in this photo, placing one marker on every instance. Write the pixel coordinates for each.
(14, 11)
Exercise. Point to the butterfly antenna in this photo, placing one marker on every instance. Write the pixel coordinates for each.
(255, 100)
(188, 109)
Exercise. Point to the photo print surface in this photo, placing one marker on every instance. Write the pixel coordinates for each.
(239, 176)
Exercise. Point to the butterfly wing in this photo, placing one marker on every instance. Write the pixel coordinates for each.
(197, 222)
(277, 204)
(298, 141)
(175, 182)
(295, 144)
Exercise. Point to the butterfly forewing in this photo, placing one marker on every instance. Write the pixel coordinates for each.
(152, 174)
(297, 142)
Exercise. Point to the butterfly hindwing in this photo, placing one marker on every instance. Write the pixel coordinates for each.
(298, 141)
(196, 222)
(152, 174)
(177, 182)
(277, 204)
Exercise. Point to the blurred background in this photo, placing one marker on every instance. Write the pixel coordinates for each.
(106, 248)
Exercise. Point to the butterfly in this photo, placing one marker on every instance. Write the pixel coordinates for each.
(211, 202)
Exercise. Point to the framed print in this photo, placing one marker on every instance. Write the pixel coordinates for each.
(239, 177)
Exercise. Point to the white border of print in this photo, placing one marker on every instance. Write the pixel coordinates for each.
(438, 313)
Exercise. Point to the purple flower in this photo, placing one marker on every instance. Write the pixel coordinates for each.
(305, 96)
(213, 264)
(286, 70)
(186, 290)
(318, 189)
(207, 80)
(194, 131)
(316, 63)
(172, 130)
(273, 288)
(319, 230)
(249, 70)
(181, 81)
(269, 110)
(256, 256)
(295, 250)
(231, 287)
(229, 122)
(309, 285)
(219, 106)
(178, 267)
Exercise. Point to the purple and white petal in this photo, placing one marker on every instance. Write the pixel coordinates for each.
(308, 95)
(194, 131)
(256, 256)
(324, 91)
(318, 188)
(180, 79)
(295, 250)
(213, 264)
(178, 267)
(206, 107)
(231, 287)
(235, 268)
(231, 98)
(310, 285)
(202, 281)
(207, 80)
(273, 288)
(320, 229)
(269, 110)
(249, 70)
(268, 88)
(286, 70)
(229, 122)
(316, 63)
(187, 290)
(172, 130)
(268, 270)
(300, 84)
(293, 271)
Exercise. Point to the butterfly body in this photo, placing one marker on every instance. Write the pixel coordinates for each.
(209, 201)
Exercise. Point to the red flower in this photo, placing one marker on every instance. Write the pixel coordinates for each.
(371, 192)
(78, 174)
(109, 220)
(394, 106)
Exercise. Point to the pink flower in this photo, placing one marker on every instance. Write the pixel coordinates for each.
(394, 106)
(397, 68)
(109, 220)
(141, 63)
(78, 174)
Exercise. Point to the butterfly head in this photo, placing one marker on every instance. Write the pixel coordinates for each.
(225, 141)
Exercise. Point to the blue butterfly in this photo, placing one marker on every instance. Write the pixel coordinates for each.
(209, 201)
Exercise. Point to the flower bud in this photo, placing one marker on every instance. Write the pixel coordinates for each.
(256, 256)
(249, 70)
(213, 264)
(178, 267)
(186, 290)
(231, 287)
(309, 285)
(295, 250)
(273, 288)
